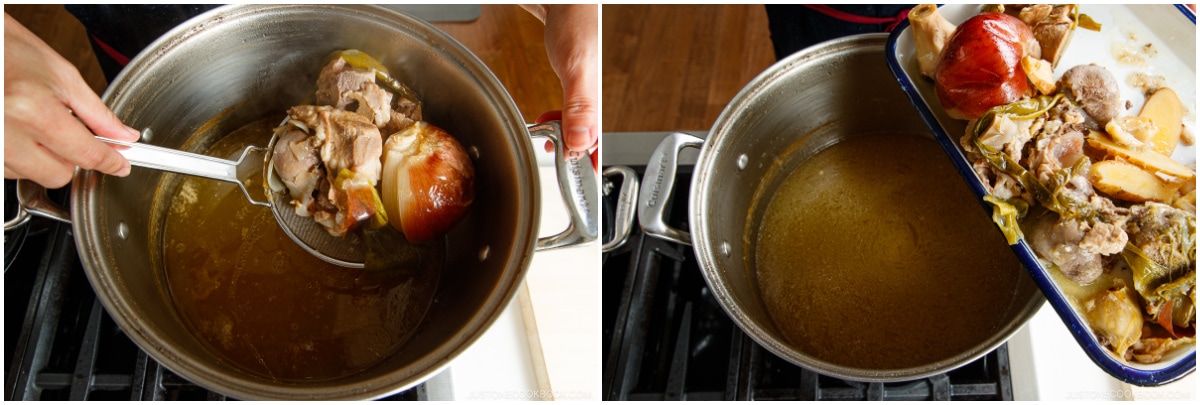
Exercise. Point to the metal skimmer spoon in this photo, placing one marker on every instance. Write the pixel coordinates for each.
(348, 251)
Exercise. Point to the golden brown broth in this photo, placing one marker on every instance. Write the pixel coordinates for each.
(874, 254)
(255, 297)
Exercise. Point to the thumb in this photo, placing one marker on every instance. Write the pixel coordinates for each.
(88, 108)
(580, 116)
(571, 45)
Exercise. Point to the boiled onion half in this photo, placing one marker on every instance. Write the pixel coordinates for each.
(427, 181)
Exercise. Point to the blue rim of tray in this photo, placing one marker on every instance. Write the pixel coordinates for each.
(1077, 326)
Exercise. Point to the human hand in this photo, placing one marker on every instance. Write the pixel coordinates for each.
(556, 115)
(571, 45)
(43, 97)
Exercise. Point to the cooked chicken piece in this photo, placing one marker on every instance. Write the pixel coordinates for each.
(998, 183)
(298, 165)
(1059, 242)
(1068, 116)
(345, 140)
(1008, 135)
(406, 113)
(1051, 153)
(410, 108)
(931, 31)
(1079, 188)
(352, 196)
(1105, 239)
(348, 88)
(1053, 32)
(1034, 13)
(1158, 229)
(372, 102)
(1108, 212)
(324, 210)
(349, 148)
(338, 78)
(1094, 89)
(322, 202)
(398, 123)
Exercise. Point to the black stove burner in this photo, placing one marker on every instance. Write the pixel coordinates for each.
(64, 345)
(13, 240)
(667, 338)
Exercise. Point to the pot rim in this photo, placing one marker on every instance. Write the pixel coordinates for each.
(109, 287)
(703, 242)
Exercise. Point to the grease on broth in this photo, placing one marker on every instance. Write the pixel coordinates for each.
(874, 254)
(252, 295)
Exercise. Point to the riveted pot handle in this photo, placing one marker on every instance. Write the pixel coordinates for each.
(626, 205)
(33, 202)
(577, 182)
(657, 185)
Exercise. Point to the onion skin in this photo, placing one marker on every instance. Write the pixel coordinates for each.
(980, 67)
(428, 181)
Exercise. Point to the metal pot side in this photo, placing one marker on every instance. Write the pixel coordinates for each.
(238, 64)
(826, 93)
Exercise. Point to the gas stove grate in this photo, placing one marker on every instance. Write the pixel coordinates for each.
(667, 338)
(64, 345)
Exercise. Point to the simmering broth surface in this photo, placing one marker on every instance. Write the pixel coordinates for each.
(263, 303)
(874, 254)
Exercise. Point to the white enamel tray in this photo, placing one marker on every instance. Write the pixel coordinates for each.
(1171, 30)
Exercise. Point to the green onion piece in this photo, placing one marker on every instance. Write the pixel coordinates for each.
(1007, 215)
(362, 60)
(1049, 195)
(1086, 22)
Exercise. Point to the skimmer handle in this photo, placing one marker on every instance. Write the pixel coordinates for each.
(176, 161)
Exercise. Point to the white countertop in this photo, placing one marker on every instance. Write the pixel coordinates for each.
(546, 344)
(1047, 364)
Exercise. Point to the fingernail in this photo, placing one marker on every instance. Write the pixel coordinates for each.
(125, 169)
(580, 138)
(137, 135)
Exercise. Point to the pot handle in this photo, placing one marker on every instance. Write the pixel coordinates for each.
(657, 185)
(626, 204)
(577, 182)
(32, 201)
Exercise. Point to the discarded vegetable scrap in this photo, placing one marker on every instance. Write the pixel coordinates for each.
(1094, 191)
(364, 138)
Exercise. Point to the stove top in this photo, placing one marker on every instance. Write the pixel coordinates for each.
(60, 344)
(667, 338)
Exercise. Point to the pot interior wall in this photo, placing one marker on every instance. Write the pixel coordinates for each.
(796, 109)
(242, 64)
